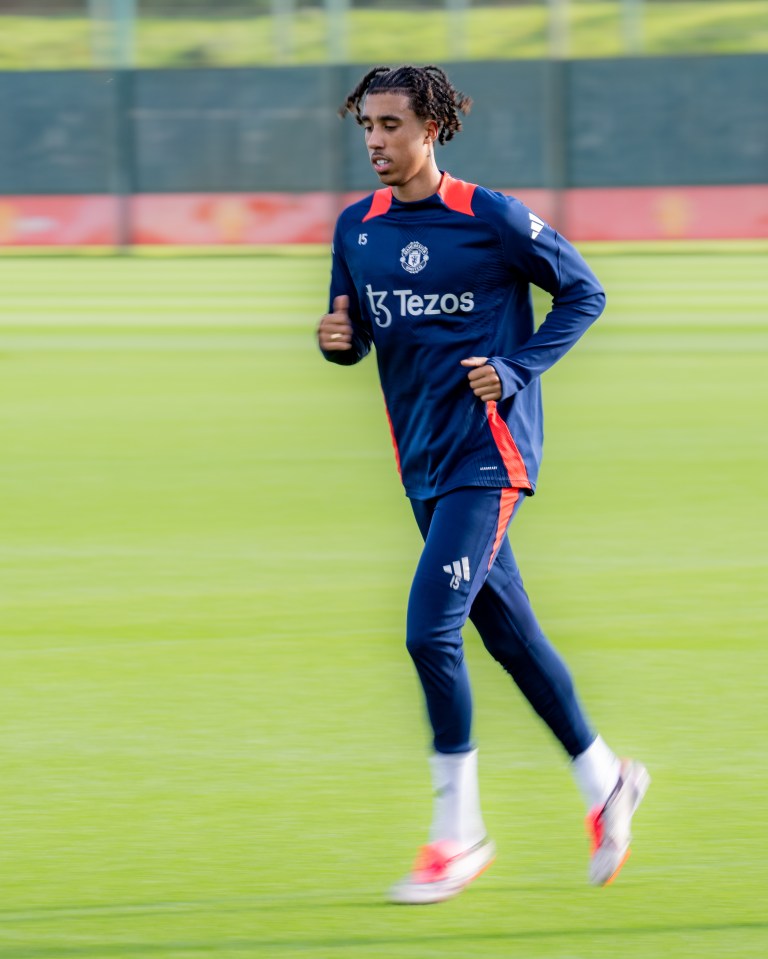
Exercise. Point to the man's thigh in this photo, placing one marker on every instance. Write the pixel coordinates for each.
(462, 531)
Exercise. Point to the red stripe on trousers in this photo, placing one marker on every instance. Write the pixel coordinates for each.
(507, 503)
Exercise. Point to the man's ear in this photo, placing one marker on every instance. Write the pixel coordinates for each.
(431, 129)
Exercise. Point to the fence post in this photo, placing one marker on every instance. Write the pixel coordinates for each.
(558, 29)
(457, 28)
(632, 25)
(336, 78)
(282, 20)
(337, 27)
(113, 28)
(557, 140)
(124, 173)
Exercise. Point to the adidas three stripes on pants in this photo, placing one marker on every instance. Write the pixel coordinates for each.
(467, 570)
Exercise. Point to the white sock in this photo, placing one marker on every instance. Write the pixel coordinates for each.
(456, 809)
(596, 772)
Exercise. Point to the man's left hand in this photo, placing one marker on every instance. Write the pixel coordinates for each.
(483, 379)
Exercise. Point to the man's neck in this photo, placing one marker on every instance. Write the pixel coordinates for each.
(425, 183)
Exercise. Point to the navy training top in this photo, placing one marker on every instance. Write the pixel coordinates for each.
(438, 280)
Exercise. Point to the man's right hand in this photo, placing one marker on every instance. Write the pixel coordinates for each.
(335, 329)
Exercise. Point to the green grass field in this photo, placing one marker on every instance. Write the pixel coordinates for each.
(596, 28)
(212, 738)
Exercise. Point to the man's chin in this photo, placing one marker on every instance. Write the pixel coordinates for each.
(387, 177)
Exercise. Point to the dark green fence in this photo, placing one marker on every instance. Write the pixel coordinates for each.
(628, 122)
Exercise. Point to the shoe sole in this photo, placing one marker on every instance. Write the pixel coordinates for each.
(407, 893)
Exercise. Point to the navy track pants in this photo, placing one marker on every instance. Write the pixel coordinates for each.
(467, 570)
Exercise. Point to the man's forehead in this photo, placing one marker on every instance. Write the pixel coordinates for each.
(388, 103)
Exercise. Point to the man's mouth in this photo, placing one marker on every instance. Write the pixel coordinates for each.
(381, 163)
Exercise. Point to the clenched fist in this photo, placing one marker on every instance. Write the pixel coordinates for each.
(335, 329)
(483, 379)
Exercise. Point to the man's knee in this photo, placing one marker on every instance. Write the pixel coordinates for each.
(428, 644)
(417, 644)
(424, 646)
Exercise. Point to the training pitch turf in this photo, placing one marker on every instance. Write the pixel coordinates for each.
(212, 737)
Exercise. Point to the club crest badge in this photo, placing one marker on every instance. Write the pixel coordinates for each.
(414, 257)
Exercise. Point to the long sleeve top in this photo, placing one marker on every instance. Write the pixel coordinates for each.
(438, 280)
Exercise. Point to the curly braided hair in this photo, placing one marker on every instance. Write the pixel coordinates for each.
(430, 92)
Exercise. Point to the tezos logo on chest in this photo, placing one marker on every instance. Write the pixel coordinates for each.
(414, 257)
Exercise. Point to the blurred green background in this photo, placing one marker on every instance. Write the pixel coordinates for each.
(48, 34)
(212, 737)
(212, 740)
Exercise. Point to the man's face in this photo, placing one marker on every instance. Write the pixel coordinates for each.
(398, 142)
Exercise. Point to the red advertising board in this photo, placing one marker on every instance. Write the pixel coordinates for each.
(254, 219)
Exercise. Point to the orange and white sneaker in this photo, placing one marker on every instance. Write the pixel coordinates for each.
(442, 869)
(609, 826)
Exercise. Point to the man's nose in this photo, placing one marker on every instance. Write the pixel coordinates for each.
(375, 139)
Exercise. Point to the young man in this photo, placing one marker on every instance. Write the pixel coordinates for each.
(435, 272)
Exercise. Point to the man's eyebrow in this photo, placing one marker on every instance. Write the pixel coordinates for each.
(384, 118)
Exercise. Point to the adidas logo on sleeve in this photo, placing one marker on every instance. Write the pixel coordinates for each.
(537, 225)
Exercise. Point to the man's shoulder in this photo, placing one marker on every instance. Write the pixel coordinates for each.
(351, 222)
(498, 210)
(495, 205)
(509, 217)
(355, 213)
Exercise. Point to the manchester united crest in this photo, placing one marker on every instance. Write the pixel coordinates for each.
(414, 257)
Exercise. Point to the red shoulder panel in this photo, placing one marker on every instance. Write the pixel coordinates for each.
(381, 202)
(457, 194)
